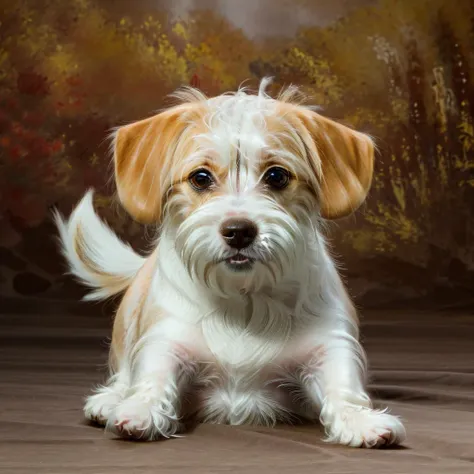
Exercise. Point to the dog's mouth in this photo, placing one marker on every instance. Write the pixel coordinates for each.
(239, 262)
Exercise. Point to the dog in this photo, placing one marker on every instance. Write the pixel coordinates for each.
(237, 314)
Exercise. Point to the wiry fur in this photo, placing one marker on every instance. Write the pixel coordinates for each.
(272, 344)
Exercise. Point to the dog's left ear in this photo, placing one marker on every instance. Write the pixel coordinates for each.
(342, 159)
(145, 155)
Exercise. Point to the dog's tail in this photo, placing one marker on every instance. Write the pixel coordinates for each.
(95, 254)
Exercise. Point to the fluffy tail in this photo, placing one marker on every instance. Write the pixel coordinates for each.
(96, 256)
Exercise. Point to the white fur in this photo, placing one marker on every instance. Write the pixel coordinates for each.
(113, 257)
(264, 346)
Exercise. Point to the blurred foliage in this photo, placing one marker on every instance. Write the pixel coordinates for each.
(400, 70)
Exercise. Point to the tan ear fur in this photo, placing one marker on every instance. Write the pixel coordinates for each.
(342, 158)
(145, 153)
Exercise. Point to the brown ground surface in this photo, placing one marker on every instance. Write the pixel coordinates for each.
(422, 366)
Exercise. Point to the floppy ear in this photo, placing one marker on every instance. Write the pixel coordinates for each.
(144, 154)
(343, 160)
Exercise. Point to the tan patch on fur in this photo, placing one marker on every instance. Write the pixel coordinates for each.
(79, 248)
(132, 312)
(105, 280)
(341, 159)
(148, 155)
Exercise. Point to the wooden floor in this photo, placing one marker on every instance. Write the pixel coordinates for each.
(422, 366)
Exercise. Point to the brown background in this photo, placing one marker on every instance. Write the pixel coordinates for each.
(398, 69)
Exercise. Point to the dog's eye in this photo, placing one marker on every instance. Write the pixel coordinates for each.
(277, 178)
(201, 180)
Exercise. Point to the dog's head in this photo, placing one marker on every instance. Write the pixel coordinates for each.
(240, 181)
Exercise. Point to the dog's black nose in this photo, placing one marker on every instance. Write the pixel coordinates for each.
(239, 233)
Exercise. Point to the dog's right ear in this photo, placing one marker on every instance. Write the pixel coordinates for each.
(145, 153)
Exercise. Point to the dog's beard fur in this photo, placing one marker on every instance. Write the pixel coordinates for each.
(276, 254)
(186, 304)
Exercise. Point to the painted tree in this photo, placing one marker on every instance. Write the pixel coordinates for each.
(217, 53)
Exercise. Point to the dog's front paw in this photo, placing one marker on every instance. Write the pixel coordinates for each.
(141, 419)
(358, 426)
(99, 406)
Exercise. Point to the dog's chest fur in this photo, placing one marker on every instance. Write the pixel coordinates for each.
(244, 377)
(225, 393)
(251, 350)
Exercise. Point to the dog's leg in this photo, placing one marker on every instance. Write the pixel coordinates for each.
(337, 385)
(159, 369)
(335, 380)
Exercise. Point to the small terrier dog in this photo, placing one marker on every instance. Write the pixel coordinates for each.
(238, 314)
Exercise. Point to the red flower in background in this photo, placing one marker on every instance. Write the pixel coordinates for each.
(4, 121)
(31, 83)
(11, 104)
(74, 81)
(56, 146)
(37, 146)
(41, 147)
(14, 152)
(33, 118)
(195, 81)
(17, 129)
(30, 209)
